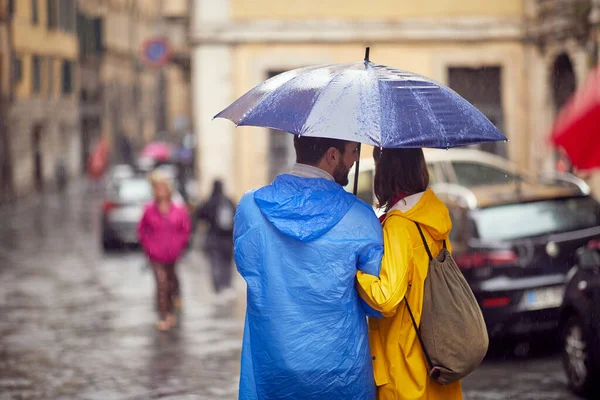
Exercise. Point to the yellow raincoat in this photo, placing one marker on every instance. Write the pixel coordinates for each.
(399, 363)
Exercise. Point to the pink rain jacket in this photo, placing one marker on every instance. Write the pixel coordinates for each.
(164, 236)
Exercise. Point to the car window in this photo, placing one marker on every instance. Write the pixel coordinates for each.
(432, 174)
(133, 190)
(522, 220)
(476, 174)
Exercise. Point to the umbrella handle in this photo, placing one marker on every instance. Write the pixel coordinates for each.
(355, 191)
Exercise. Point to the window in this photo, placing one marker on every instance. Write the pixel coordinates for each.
(66, 15)
(482, 87)
(71, 16)
(17, 69)
(52, 13)
(50, 77)
(36, 72)
(98, 27)
(476, 174)
(522, 220)
(34, 12)
(67, 77)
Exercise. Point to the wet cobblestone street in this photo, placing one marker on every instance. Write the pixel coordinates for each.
(79, 324)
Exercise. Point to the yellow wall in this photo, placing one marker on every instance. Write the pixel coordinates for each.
(37, 38)
(252, 62)
(30, 40)
(361, 9)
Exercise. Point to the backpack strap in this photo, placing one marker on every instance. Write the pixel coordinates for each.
(412, 318)
(425, 241)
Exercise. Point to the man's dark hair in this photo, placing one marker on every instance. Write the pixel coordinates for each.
(310, 150)
(399, 171)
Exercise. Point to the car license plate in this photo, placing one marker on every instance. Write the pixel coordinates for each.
(539, 299)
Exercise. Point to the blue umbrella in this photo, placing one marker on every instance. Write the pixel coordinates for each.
(364, 102)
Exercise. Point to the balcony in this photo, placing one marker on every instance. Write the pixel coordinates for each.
(561, 19)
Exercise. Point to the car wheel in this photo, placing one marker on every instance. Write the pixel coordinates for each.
(577, 357)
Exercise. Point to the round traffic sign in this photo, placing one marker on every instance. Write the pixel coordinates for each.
(156, 52)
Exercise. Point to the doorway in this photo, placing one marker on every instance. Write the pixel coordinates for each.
(563, 85)
(38, 172)
(563, 81)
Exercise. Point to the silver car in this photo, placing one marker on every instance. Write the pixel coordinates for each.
(123, 208)
(457, 169)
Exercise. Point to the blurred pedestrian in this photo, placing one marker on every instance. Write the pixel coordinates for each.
(125, 149)
(164, 231)
(60, 172)
(182, 181)
(219, 211)
(98, 162)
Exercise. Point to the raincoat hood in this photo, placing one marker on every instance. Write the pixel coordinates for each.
(429, 211)
(306, 217)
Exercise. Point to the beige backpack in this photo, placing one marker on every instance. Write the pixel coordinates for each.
(452, 333)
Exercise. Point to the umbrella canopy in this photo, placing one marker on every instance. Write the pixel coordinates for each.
(157, 150)
(366, 103)
(577, 127)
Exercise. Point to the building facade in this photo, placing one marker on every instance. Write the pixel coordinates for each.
(563, 46)
(130, 88)
(516, 60)
(72, 71)
(42, 110)
(123, 98)
(474, 47)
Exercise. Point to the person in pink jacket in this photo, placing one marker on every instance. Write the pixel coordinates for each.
(164, 231)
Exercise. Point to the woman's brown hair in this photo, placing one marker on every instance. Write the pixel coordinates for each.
(399, 171)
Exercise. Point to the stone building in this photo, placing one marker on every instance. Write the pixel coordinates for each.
(41, 103)
(123, 98)
(563, 41)
(72, 71)
(476, 47)
(516, 60)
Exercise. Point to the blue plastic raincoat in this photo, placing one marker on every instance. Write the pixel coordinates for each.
(298, 244)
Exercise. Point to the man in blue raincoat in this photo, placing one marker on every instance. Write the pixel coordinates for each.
(298, 244)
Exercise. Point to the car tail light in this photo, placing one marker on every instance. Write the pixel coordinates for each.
(107, 206)
(594, 244)
(491, 258)
(495, 302)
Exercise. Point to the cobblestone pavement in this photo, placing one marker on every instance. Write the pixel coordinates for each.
(78, 324)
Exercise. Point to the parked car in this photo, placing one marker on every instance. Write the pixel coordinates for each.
(468, 168)
(580, 323)
(515, 243)
(123, 208)
(118, 172)
(514, 235)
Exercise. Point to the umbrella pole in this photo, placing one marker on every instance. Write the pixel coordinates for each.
(355, 191)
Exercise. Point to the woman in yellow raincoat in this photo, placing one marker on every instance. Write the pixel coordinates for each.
(401, 181)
